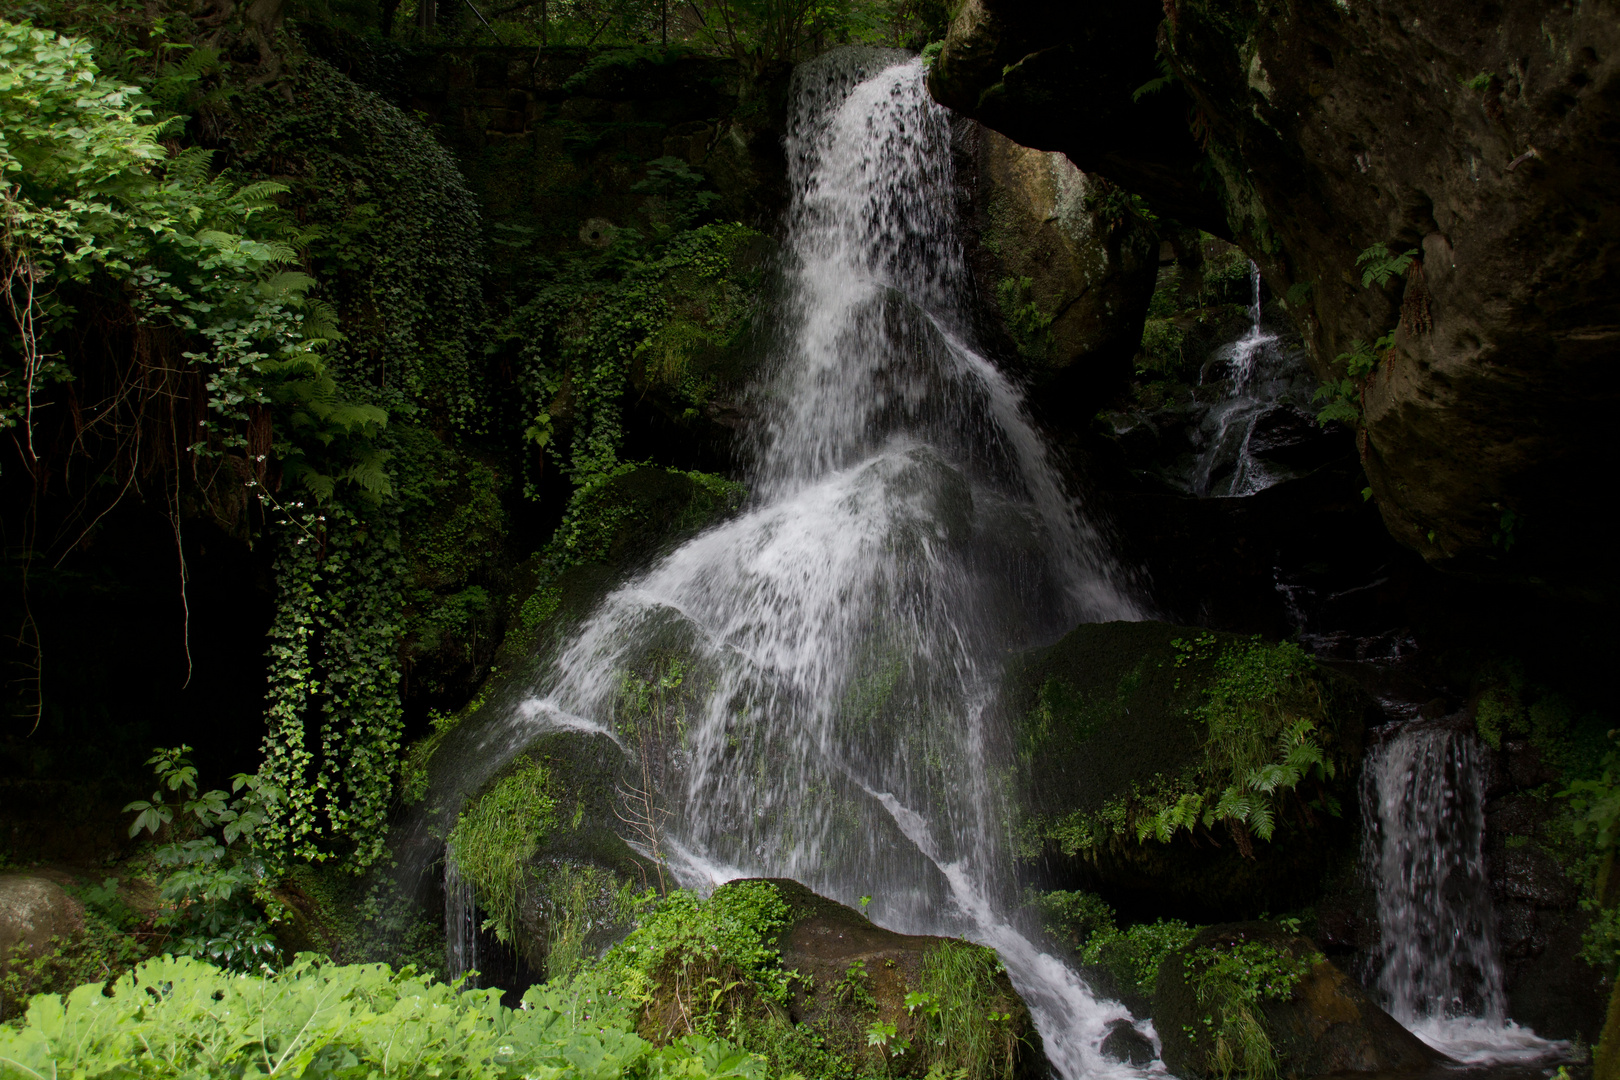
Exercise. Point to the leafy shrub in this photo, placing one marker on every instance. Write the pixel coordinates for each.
(178, 1016)
(218, 895)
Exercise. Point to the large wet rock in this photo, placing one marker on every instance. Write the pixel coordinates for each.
(830, 944)
(1065, 267)
(1107, 715)
(33, 911)
(1054, 76)
(1327, 1025)
(1481, 138)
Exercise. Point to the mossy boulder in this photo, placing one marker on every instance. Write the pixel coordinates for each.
(615, 523)
(1177, 771)
(853, 975)
(1315, 1020)
(1065, 263)
(540, 843)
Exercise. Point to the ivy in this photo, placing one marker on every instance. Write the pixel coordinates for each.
(347, 600)
(663, 301)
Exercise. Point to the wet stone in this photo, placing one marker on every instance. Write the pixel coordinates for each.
(1124, 1043)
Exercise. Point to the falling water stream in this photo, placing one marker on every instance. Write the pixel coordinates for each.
(1257, 373)
(906, 531)
(840, 641)
(1438, 968)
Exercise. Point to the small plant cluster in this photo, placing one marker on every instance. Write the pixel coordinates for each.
(1342, 400)
(495, 838)
(704, 952)
(1230, 980)
(1263, 714)
(1131, 956)
(1030, 327)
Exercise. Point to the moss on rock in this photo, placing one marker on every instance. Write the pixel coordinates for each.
(1257, 1000)
(1194, 771)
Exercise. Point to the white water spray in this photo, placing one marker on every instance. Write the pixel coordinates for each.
(838, 643)
(1423, 805)
(1225, 465)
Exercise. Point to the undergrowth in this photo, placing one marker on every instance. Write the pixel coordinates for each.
(964, 1013)
(1230, 980)
(1264, 715)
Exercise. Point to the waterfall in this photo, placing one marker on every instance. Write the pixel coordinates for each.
(460, 923)
(837, 646)
(1437, 967)
(1255, 372)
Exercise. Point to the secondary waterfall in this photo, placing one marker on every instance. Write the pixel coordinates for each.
(813, 676)
(1438, 969)
(1262, 381)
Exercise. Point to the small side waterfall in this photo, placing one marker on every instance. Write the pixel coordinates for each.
(1438, 968)
(1425, 818)
(1258, 374)
(460, 923)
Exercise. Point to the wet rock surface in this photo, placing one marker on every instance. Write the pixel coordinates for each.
(1063, 271)
(1492, 401)
(1327, 1025)
(1125, 1044)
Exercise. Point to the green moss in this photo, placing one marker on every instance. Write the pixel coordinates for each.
(1030, 327)
(495, 838)
(1499, 713)
(631, 508)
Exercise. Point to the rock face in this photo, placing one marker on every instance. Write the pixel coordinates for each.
(1483, 139)
(829, 944)
(1060, 76)
(1060, 259)
(1328, 1025)
(33, 910)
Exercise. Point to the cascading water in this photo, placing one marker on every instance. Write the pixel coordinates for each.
(839, 643)
(460, 922)
(1423, 806)
(1259, 376)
